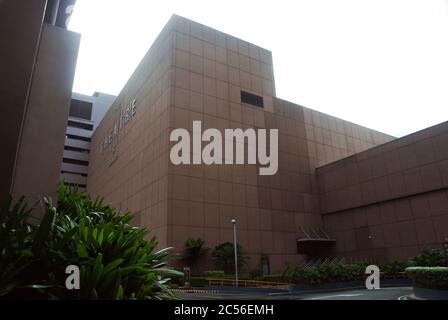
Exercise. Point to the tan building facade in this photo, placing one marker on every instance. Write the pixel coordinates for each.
(389, 202)
(195, 73)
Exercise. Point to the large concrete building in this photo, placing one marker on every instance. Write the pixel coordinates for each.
(85, 113)
(341, 190)
(37, 62)
(389, 202)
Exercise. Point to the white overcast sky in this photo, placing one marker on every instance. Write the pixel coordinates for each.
(379, 63)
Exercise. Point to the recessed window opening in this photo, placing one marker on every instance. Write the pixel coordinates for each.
(252, 99)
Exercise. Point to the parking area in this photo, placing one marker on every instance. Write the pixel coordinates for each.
(390, 293)
(395, 293)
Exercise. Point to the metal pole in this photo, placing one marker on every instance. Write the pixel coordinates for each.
(235, 251)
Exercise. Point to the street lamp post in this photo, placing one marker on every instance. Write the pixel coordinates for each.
(235, 251)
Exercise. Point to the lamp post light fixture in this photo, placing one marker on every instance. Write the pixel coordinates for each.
(235, 251)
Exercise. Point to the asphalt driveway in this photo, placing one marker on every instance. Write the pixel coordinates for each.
(389, 293)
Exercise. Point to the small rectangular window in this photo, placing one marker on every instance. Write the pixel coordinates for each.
(71, 136)
(74, 161)
(81, 109)
(68, 148)
(75, 173)
(80, 125)
(79, 185)
(252, 99)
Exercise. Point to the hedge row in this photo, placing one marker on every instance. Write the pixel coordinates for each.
(429, 277)
(322, 274)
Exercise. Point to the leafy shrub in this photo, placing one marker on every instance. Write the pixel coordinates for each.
(322, 273)
(430, 258)
(329, 273)
(429, 277)
(297, 274)
(214, 273)
(223, 257)
(292, 273)
(194, 250)
(393, 267)
(115, 260)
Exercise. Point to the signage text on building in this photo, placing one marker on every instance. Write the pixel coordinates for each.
(122, 116)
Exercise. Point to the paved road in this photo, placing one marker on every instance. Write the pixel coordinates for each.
(357, 294)
(362, 294)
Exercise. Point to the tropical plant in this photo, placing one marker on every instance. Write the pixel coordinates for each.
(430, 258)
(194, 250)
(114, 259)
(15, 244)
(223, 257)
(393, 267)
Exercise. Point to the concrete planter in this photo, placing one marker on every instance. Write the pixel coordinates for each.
(430, 294)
